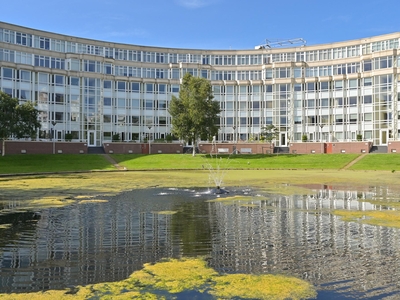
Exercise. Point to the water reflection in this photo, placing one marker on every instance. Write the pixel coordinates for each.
(295, 235)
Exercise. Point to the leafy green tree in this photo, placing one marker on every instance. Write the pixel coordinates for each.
(194, 114)
(269, 133)
(16, 120)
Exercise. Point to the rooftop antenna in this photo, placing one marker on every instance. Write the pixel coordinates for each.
(275, 43)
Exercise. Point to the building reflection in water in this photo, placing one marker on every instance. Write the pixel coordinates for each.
(295, 235)
(298, 235)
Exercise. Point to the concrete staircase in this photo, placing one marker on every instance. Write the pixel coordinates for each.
(96, 150)
(379, 149)
(281, 150)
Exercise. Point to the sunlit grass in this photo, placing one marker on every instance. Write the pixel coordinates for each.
(256, 161)
(174, 276)
(42, 163)
(378, 162)
(17, 164)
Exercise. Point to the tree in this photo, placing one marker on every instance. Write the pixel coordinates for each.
(194, 114)
(16, 120)
(269, 133)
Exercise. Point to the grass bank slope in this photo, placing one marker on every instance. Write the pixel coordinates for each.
(385, 161)
(257, 161)
(42, 163)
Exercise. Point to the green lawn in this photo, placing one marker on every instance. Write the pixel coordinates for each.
(378, 162)
(12, 164)
(257, 161)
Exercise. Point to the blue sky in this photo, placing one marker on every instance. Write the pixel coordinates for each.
(207, 24)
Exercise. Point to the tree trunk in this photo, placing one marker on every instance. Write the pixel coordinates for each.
(3, 147)
(194, 148)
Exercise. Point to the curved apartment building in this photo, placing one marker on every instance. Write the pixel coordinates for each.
(91, 90)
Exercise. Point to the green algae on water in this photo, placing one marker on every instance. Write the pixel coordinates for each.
(174, 276)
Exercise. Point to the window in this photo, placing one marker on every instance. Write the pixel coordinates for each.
(149, 88)
(149, 104)
(162, 104)
(107, 118)
(353, 118)
(59, 98)
(324, 102)
(74, 81)
(121, 86)
(353, 84)
(367, 99)
(25, 76)
(367, 65)
(75, 65)
(162, 88)
(135, 103)
(297, 87)
(7, 73)
(162, 121)
(107, 68)
(43, 78)
(339, 119)
(298, 72)
(121, 102)
(339, 102)
(135, 120)
(59, 116)
(338, 85)
(310, 86)
(8, 91)
(107, 101)
(324, 85)
(367, 134)
(59, 80)
(175, 88)
(367, 117)
(367, 81)
(353, 101)
(135, 87)
(25, 95)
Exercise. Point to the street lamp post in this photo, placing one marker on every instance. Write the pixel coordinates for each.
(54, 136)
(322, 143)
(149, 127)
(234, 146)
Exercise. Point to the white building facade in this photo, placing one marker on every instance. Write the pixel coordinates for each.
(92, 90)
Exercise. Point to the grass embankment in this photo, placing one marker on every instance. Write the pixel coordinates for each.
(48, 163)
(390, 162)
(232, 162)
(17, 164)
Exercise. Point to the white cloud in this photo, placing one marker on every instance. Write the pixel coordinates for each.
(193, 3)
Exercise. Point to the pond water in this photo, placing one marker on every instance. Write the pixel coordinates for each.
(295, 235)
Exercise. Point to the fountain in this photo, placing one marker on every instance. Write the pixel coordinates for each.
(217, 167)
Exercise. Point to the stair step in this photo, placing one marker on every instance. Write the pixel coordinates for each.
(96, 150)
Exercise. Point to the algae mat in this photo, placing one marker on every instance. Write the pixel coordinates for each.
(166, 279)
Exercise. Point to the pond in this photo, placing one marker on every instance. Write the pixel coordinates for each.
(246, 231)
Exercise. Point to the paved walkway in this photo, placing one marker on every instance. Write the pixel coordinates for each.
(353, 161)
(113, 162)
